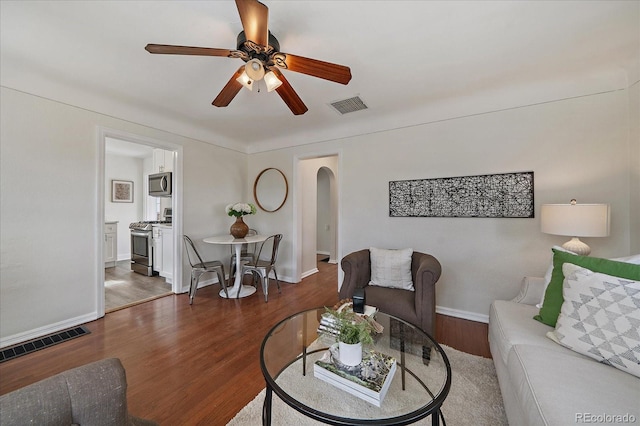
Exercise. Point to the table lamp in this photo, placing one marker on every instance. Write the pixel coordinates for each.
(575, 220)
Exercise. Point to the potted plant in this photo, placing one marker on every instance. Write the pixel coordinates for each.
(352, 331)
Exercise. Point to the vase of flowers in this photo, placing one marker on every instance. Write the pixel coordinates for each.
(239, 229)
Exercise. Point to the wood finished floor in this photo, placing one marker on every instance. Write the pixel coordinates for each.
(124, 288)
(199, 364)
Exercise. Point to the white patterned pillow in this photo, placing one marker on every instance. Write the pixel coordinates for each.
(600, 318)
(391, 268)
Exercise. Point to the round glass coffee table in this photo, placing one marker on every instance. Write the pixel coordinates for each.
(419, 386)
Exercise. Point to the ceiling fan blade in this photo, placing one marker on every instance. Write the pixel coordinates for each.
(255, 18)
(168, 49)
(229, 91)
(321, 69)
(289, 96)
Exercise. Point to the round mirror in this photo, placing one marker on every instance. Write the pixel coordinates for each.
(270, 189)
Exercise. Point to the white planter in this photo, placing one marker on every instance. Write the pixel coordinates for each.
(350, 354)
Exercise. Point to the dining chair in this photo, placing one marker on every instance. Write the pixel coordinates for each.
(262, 268)
(199, 267)
(247, 252)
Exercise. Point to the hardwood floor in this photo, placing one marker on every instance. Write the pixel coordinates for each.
(199, 364)
(124, 288)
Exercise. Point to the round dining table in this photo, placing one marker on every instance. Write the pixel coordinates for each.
(237, 290)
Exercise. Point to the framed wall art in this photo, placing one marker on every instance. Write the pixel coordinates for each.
(121, 191)
(508, 195)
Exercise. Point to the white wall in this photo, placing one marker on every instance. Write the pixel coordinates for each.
(323, 226)
(634, 169)
(120, 167)
(577, 148)
(48, 209)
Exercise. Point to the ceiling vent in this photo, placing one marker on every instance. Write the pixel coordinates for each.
(346, 106)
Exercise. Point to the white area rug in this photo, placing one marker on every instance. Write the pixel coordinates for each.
(474, 398)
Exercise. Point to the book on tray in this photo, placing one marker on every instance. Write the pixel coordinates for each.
(328, 322)
(370, 380)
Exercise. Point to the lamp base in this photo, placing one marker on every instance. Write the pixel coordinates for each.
(576, 246)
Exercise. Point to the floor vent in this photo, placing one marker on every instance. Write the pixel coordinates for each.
(41, 343)
(346, 106)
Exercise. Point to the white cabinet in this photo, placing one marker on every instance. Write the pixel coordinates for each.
(162, 161)
(110, 244)
(163, 251)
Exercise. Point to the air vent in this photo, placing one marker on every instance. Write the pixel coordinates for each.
(346, 106)
(41, 343)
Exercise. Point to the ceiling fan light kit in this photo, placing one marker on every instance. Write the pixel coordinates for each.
(271, 81)
(261, 51)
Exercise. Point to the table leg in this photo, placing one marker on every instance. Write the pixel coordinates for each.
(238, 290)
(266, 407)
(435, 418)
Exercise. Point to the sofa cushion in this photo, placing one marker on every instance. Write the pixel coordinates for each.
(511, 324)
(555, 389)
(391, 268)
(553, 295)
(600, 318)
(395, 302)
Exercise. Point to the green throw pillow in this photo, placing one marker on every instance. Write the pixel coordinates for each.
(553, 295)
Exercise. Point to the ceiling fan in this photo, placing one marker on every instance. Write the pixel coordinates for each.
(261, 51)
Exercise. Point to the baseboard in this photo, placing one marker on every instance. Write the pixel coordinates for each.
(471, 316)
(126, 256)
(309, 273)
(48, 329)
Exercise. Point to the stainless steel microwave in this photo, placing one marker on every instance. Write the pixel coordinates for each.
(160, 184)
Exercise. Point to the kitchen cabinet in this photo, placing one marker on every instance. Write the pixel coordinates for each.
(163, 251)
(110, 244)
(162, 161)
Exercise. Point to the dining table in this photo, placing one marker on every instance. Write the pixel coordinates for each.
(237, 290)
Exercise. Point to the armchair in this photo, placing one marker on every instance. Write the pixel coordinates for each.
(416, 307)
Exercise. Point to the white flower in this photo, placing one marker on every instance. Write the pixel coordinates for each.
(240, 209)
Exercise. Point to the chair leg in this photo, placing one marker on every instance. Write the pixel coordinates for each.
(220, 273)
(232, 270)
(195, 278)
(275, 273)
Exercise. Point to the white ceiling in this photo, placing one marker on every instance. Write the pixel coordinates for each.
(412, 62)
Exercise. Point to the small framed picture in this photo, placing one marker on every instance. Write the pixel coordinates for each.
(121, 191)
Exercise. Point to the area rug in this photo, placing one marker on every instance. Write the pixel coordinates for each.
(474, 398)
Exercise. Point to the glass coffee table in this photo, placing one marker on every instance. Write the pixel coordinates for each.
(419, 387)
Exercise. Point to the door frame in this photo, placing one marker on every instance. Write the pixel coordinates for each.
(176, 203)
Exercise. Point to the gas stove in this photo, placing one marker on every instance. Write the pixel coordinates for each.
(147, 225)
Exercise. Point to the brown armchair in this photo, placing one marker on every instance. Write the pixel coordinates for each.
(416, 307)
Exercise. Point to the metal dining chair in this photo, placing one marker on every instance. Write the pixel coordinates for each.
(262, 268)
(199, 267)
(247, 253)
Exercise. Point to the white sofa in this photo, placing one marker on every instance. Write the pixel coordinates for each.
(543, 383)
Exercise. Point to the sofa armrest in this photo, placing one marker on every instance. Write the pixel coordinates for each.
(92, 394)
(426, 271)
(357, 272)
(531, 291)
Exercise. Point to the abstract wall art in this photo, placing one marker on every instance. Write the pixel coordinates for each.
(121, 191)
(508, 195)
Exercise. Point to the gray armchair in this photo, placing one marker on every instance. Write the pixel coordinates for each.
(416, 307)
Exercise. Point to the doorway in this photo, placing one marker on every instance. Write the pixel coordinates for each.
(317, 211)
(130, 158)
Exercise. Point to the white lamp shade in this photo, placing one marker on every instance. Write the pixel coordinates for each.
(575, 220)
(254, 69)
(271, 81)
(245, 80)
